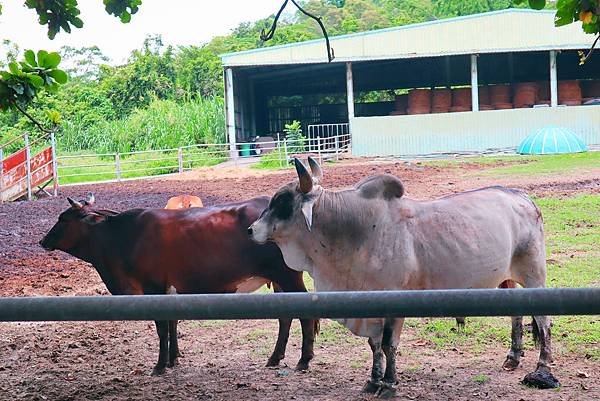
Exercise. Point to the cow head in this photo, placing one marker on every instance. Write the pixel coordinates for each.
(72, 225)
(291, 208)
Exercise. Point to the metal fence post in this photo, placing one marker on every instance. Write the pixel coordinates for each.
(118, 165)
(285, 149)
(28, 166)
(180, 159)
(319, 149)
(279, 151)
(54, 165)
(337, 148)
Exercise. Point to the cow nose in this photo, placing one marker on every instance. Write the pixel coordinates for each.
(250, 231)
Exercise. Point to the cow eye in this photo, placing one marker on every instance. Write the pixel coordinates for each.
(281, 206)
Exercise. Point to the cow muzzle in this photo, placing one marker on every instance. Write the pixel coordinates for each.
(44, 244)
(258, 233)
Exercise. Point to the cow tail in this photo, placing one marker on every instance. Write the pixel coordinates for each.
(535, 332)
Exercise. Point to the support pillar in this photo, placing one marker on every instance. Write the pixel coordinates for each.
(230, 113)
(350, 94)
(474, 84)
(553, 81)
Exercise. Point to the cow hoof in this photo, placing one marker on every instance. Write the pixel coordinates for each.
(387, 391)
(510, 364)
(157, 371)
(541, 379)
(302, 366)
(372, 387)
(272, 362)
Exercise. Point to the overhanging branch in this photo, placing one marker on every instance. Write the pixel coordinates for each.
(269, 34)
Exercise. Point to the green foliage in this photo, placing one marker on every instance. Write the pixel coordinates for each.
(164, 124)
(569, 11)
(293, 134)
(21, 83)
(64, 14)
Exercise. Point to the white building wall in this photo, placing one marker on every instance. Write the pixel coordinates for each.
(468, 131)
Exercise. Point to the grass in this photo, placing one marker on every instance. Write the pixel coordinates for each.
(481, 379)
(531, 165)
(88, 167)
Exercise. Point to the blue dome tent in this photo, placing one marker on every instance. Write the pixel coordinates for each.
(551, 140)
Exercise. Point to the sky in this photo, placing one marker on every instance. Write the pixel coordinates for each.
(180, 22)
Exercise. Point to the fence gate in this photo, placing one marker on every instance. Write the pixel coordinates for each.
(21, 172)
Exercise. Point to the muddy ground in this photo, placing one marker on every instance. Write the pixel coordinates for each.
(225, 360)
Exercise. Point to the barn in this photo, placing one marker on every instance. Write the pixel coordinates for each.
(471, 83)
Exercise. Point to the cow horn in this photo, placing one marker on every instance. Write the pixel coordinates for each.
(315, 169)
(306, 181)
(74, 204)
(91, 199)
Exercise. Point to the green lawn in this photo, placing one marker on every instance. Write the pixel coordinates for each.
(531, 165)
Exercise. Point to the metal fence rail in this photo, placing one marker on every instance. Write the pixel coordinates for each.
(109, 167)
(424, 303)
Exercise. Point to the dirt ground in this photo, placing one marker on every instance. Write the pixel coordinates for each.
(225, 360)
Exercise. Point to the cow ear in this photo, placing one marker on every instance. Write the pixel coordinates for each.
(91, 199)
(307, 211)
(305, 179)
(74, 204)
(315, 170)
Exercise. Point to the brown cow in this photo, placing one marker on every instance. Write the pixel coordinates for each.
(184, 202)
(185, 251)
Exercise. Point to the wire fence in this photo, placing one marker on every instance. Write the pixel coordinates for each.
(120, 166)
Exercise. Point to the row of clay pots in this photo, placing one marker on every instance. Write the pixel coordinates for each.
(503, 96)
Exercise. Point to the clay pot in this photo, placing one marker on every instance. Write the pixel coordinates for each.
(503, 106)
(461, 98)
(500, 94)
(569, 93)
(419, 101)
(525, 94)
(441, 100)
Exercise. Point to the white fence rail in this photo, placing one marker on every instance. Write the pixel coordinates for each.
(111, 167)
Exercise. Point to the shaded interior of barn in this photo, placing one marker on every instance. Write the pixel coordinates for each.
(268, 97)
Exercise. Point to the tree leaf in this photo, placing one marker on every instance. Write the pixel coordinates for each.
(59, 76)
(14, 68)
(30, 58)
(41, 57)
(52, 60)
(537, 4)
(35, 80)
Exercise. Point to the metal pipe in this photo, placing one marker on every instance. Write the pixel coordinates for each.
(553, 80)
(474, 84)
(422, 303)
(54, 165)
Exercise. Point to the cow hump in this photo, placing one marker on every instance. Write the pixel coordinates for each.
(383, 186)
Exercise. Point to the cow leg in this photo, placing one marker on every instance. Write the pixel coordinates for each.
(516, 347)
(294, 282)
(375, 383)
(282, 337)
(162, 328)
(389, 345)
(173, 344)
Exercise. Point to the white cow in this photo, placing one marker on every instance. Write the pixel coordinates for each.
(372, 237)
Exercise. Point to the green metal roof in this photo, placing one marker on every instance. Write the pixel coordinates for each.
(493, 32)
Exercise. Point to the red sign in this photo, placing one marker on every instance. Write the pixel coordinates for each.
(14, 172)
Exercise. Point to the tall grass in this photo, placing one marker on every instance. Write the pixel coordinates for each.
(165, 124)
